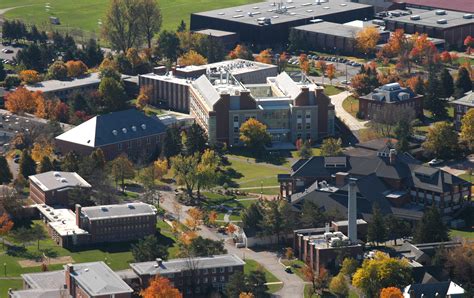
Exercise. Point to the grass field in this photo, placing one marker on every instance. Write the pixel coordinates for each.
(332, 90)
(85, 14)
(351, 105)
(251, 265)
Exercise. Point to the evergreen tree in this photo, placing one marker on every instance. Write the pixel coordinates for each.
(5, 173)
(463, 81)
(397, 228)
(420, 86)
(172, 142)
(305, 151)
(433, 102)
(70, 162)
(27, 164)
(431, 228)
(402, 133)
(377, 232)
(446, 83)
(3, 73)
(181, 26)
(196, 139)
(45, 165)
(98, 159)
(92, 53)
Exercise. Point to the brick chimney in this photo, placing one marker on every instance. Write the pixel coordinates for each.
(341, 178)
(78, 215)
(392, 156)
(69, 271)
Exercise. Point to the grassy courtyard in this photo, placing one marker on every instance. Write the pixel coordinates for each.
(85, 14)
(252, 265)
(351, 105)
(332, 90)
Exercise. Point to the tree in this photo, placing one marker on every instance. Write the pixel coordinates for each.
(254, 134)
(70, 162)
(446, 83)
(246, 295)
(241, 52)
(38, 233)
(305, 151)
(45, 165)
(3, 73)
(463, 82)
(304, 63)
(196, 139)
(75, 68)
(391, 292)
(113, 94)
(256, 282)
(5, 226)
(331, 72)
(195, 218)
(322, 66)
(98, 159)
(5, 173)
(149, 249)
(235, 285)
(207, 171)
(460, 265)
(381, 272)
(181, 26)
(192, 58)
(252, 284)
(396, 228)
(168, 44)
(184, 171)
(433, 101)
(160, 287)
(367, 39)
(40, 150)
(273, 222)
(467, 129)
(264, 56)
(431, 228)
(20, 101)
(12, 81)
(150, 19)
(441, 140)
(172, 142)
(289, 254)
(349, 267)
(311, 215)
(92, 53)
(57, 71)
(122, 168)
(252, 216)
(204, 247)
(319, 280)
(377, 231)
(27, 165)
(338, 286)
(469, 44)
(331, 147)
(123, 24)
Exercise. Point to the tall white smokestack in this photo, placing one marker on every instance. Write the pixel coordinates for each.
(352, 211)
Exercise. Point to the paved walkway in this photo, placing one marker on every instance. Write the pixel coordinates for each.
(353, 123)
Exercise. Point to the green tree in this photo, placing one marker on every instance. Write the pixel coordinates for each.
(236, 285)
(273, 222)
(168, 45)
(252, 216)
(377, 231)
(305, 151)
(403, 132)
(381, 272)
(311, 215)
(172, 143)
(5, 173)
(3, 73)
(205, 247)
(254, 134)
(150, 19)
(12, 81)
(396, 228)
(149, 249)
(92, 53)
(338, 286)
(196, 139)
(184, 170)
(441, 140)
(181, 26)
(113, 94)
(27, 164)
(70, 162)
(121, 169)
(431, 227)
(463, 82)
(98, 159)
(57, 71)
(45, 165)
(256, 283)
(38, 233)
(467, 129)
(349, 267)
(331, 147)
(447, 84)
(207, 171)
(433, 101)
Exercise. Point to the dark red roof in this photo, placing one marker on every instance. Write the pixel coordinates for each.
(458, 5)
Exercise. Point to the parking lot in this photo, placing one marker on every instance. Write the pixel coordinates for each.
(7, 53)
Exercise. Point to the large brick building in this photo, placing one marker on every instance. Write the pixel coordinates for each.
(461, 107)
(392, 95)
(130, 132)
(290, 109)
(52, 188)
(194, 277)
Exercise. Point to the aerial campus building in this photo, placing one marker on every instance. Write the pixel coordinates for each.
(268, 23)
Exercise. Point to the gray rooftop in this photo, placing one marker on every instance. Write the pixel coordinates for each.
(287, 85)
(330, 28)
(45, 280)
(57, 85)
(214, 32)
(467, 100)
(207, 91)
(58, 180)
(119, 210)
(178, 265)
(292, 11)
(432, 18)
(97, 279)
(38, 293)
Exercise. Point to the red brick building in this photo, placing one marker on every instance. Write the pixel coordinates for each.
(390, 94)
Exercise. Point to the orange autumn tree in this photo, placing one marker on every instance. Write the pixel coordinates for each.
(160, 287)
(144, 97)
(240, 52)
(367, 39)
(264, 56)
(75, 68)
(29, 76)
(195, 218)
(192, 58)
(231, 229)
(20, 101)
(5, 226)
(212, 217)
(331, 72)
(391, 292)
(304, 63)
(445, 57)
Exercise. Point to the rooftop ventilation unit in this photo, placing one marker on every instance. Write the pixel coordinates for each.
(309, 10)
(343, 4)
(306, 4)
(238, 10)
(467, 16)
(415, 17)
(255, 7)
(124, 130)
(221, 13)
(442, 21)
(134, 128)
(114, 132)
(143, 126)
(326, 7)
(57, 174)
(440, 12)
(104, 209)
(63, 180)
(238, 16)
(316, 21)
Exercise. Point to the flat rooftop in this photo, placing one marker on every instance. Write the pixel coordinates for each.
(178, 265)
(214, 32)
(62, 220)
(458, 5)
(335, 29)
(436, 18)
(45, 280)
(58, 180)
(119, 210)
(287, 11)
(57, 85)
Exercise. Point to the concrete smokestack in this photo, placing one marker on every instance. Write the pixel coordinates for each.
(78, 215)
(352, 211)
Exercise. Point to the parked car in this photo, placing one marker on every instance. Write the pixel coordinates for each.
(435, 162)
(288, 269)
(16, 160)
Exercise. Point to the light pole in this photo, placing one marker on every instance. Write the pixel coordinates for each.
(261, 189)
(5, 268)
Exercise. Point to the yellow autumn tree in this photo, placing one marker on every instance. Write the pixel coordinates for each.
(75, 68)
(40, 150)
(194, 219)
(367, 39)
(29, 76)
(264, 56)
(40, 110)
(192, 58)
(144, 97)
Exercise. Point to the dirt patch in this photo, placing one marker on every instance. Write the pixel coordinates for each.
(49, 261)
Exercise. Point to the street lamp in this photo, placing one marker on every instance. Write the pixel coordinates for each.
(261, 189)
(5, 268)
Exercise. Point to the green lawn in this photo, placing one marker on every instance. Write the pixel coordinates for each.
(463, 234)
(85, 14)
(351, 105)
(332, 90)
(215, 199)
(307, 290)
(297, 267)
(6, 284)
(316, 152)
(252, 265)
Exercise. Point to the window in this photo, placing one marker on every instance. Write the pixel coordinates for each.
(308, 115)
(148, 141)
(204, 271)
(222, 278)
(308, 125)
(206, 280)
(236, 140)
(222, 270)
(308, 136)
(299, 116)
(236, 129)
(299, 126)
(214, 270)
(230, 269)
(236, 118)
(119, 146)
(214, 279)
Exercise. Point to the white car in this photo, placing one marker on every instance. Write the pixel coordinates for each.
(435, 162)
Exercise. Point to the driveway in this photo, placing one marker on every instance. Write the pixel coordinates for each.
(459, 167)
(353, 123)
(293, 286)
